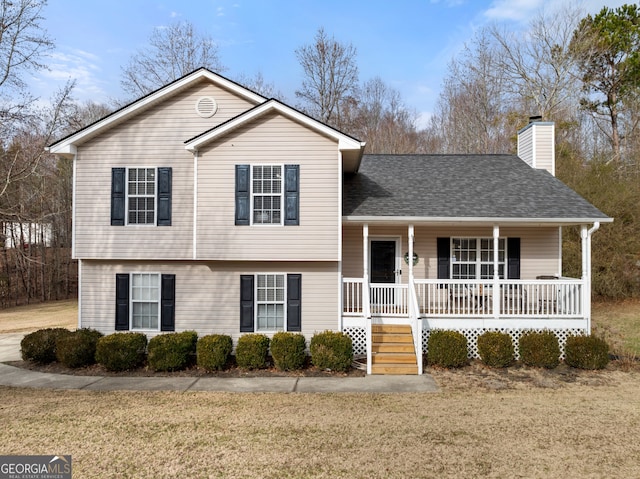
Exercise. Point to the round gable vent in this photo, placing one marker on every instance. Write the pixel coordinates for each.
(206, 107)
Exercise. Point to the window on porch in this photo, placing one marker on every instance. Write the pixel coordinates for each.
(472, 258)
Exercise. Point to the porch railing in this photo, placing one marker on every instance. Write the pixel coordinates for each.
(558, 298)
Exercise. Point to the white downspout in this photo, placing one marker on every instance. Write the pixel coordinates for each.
(586, 271)
(496, 272)
(195, 205)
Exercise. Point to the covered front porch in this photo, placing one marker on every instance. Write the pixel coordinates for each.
(499, 297)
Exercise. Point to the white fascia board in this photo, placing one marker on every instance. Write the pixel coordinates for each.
(344, 142)
(128, 111)
(476, 221)
(67, 150)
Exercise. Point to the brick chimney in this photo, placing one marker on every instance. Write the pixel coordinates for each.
(537, 144)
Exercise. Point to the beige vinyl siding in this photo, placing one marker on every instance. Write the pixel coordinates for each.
(536, 146)
(544, 148)
(154, 138)
(525, 147)
(208, 294)
(272, 139)
(539, 248)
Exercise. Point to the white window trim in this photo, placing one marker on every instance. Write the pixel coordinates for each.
(255, 303)
(478, 263)
(131, 300)
(155, 197)
(282, 188)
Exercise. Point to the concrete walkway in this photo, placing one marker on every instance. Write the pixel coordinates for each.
(18, 377)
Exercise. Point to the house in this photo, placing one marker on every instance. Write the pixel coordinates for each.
(205, 206)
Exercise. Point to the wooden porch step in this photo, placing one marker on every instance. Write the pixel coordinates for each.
(392, 350)
(405, 347)
(391, 328)
(393, 358)
(391, 338)
(399, 369)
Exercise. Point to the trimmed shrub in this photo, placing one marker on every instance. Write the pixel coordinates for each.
(447, 349)
(172, 351)
(288, 351)
(213, 351)
(40, 346)
(586, 352)
(540, 350)
(331, 350)
(121, 351)
(252, 350)
(78, 349)
(496, 349)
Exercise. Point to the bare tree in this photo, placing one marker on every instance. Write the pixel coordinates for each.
(23, 45)
(539, 69)
(471, 115)
(258, 84)
(379, 116)
(330, 76)
(173, 51)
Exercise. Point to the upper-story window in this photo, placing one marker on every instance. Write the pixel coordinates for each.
(472, 258)
(266, 193)
(141, 196)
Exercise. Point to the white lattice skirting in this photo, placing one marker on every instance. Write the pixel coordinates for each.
(359, 338)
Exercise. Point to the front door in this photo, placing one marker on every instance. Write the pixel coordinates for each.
(383, 261)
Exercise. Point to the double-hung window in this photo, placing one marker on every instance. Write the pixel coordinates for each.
(270, 302)
(141, 196)
(145, 302)
(473, 258)
(266, 194)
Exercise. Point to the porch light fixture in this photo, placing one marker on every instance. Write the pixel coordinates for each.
(415, 258)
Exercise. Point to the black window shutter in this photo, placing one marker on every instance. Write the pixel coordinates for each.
(122, 302)
(246, 303)
(164, 196)
(444, 255)
(243, 195)
(292, 194)
(294, 302)
(118, 178)
(513, 260)
(168, 303)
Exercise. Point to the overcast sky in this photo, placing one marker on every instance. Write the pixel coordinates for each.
(406, 43)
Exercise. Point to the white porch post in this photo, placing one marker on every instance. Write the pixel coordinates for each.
(411, 236)
(365, 255)
(586, 269)
(496, 272)
(365, 293)
(586, 275)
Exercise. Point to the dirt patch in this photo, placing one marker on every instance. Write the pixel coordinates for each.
(477, 376)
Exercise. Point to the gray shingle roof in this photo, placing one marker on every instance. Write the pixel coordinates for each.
(460, 186)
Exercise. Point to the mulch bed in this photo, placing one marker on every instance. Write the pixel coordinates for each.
(231, 371)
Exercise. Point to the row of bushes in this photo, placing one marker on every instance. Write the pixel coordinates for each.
(176, 351)
(539, 349)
